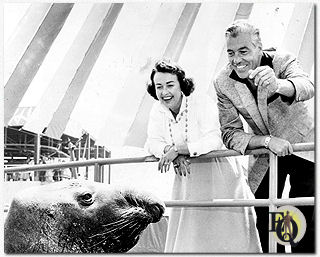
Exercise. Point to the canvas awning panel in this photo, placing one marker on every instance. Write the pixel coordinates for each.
(70, 61)
(102, 17)
(21, 116)
(28, 19)
(33, 57)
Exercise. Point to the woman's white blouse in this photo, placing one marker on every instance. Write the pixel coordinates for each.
(202, 125)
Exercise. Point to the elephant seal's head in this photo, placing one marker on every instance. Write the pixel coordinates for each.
(75, 216)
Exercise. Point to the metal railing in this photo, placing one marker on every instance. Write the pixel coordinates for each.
(272, 202)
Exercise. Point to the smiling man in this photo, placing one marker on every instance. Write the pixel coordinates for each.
(267, 88)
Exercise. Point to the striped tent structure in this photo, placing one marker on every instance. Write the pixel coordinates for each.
(84, 66)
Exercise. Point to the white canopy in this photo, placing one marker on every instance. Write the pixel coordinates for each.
(84, 66)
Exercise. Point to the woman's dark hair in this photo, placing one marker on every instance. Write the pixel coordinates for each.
(165, 66)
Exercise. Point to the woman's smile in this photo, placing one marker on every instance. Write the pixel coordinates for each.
(167, 98)
(168, 90)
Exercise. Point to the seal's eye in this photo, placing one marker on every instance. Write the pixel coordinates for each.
(85, 199)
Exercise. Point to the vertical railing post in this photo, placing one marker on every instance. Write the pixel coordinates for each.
(97, 175)
(37, 146)
(109, 172)
(273, 194)
(79, 154)
(74, 173)
(102, 166)
(88, 155)
(37, 157)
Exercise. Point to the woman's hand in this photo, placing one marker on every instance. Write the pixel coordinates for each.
(166, 159)
(181, 165)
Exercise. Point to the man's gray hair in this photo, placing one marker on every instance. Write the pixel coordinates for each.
(244, 26)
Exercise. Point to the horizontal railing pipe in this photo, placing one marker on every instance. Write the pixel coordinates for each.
(241, 202)
(107, 161)
(91, 162)
(295, 201)
(299, 201)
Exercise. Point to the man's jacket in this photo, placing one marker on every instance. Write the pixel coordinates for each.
(281, 118)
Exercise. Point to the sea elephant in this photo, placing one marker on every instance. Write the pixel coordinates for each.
(77, 216)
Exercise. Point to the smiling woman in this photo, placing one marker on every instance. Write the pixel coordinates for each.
(168, 84)
(168, 91)
(183, 124)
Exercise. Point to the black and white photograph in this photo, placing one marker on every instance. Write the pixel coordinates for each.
(158, 127)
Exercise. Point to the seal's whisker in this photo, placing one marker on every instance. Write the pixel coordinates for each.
(129, 222)
(113, 223)
(134, 230)
(117, 222)
(105, 233)
(98, 243)
(115, 229)
(123, 224)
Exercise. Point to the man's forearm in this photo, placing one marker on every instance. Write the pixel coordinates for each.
(278, 146)
(256, 142)
(285, 88)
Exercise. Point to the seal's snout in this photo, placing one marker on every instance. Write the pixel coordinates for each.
(155, 208)
(157, 211)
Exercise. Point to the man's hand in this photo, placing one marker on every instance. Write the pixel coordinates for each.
(181, 165)
(280, 147)
(264, 76)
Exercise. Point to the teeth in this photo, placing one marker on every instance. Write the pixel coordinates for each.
(167, 98)
(241, 67)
